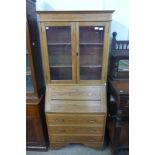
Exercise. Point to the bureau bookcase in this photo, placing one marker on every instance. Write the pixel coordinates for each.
(75, 50)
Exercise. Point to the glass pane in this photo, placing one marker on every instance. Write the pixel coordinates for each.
(59, 52)
(29, 84)
(91, 52)
(90, 73)
(123, 65)
(60, 73)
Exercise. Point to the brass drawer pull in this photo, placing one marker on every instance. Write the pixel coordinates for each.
(92, 130)
(91, 121)
(59, 120)
(92, 140)
(60, 140)
(60, 130)
(73, 140)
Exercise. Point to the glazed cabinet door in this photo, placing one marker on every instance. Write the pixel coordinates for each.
(91, 48)
(59, 53)
(31, 89)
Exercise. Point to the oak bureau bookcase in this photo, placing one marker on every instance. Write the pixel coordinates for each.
(75, 50)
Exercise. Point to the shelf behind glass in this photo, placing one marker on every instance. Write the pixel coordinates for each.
(58, 44)
(91, 44)
(58, 34)
(91, 34)
(60, 57)
(59, 52)
(91, 55)
(90, 73)
(61, 73)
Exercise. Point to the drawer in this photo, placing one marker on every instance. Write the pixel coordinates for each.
(75, 139)
(75, 130)
(74, 119)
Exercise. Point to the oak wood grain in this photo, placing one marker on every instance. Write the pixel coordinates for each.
(81, 129)
(74, 119)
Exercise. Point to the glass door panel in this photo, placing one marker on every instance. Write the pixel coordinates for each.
(29, 84)
(91, 40)
(59, 52)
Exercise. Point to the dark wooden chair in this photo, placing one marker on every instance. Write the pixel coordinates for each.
(119, 59)
(118, 97)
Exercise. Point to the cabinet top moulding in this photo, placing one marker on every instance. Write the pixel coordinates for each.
(98, 15)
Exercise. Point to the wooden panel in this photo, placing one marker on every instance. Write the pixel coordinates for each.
(75, 15)
(121, 87)
(34, 134)
(124, 101)
(69, 106)
(36, 130)
(124, 136)
(123, 75)
(124, 133)
(74, 119)
(75, 138)
(75, 129)
(32, 111)
(74, 92)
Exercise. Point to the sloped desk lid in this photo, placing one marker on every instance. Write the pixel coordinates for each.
(75, 99)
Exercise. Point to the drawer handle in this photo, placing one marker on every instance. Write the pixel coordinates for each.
(92, 140)
(91, 121)
(60, 130)
(73, 140)
(92, 130)
(60, 140)
(59, 120)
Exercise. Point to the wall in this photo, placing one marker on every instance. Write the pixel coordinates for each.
(120, 16)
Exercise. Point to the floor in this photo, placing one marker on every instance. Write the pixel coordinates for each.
(72, 149)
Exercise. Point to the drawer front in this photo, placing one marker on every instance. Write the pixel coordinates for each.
(75, 130)
(75, 119)
(75, 139)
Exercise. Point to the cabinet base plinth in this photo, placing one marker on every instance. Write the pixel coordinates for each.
(98, 146)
